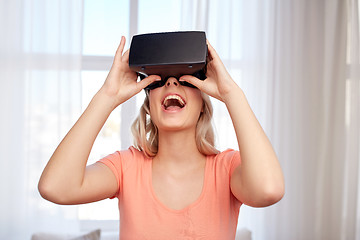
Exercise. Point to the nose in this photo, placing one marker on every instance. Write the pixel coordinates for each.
(171, 81)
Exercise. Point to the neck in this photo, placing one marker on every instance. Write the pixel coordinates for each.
(178, 147)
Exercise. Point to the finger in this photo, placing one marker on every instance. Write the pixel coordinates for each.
(192, 80)
(120, 49)
(148, 80)
(125, 57)
(212, 53)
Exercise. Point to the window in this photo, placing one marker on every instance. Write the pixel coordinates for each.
(104, 24)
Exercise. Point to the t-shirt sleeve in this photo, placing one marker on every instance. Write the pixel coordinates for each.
(118, 163)
(233, 159)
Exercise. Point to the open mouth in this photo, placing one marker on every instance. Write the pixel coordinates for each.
(173, 102)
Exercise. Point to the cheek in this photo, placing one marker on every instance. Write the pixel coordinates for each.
(153, 94)
(196, 95)
(153, 98)
(153, 110)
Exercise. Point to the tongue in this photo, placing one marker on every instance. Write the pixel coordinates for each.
(173, 107)
(172, 104)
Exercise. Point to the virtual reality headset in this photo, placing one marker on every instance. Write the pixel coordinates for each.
(170, 54)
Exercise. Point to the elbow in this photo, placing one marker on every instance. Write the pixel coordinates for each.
(273, 195)
(50, 193)
(46, 191)
(266, 196)
(273, 190)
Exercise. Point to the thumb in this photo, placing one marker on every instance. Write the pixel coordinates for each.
(192, 80)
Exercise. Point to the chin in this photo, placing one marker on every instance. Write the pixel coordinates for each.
(175, 126)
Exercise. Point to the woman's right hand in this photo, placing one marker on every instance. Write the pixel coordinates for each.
(121, 83)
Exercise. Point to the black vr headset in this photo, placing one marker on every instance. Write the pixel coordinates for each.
(171, 54)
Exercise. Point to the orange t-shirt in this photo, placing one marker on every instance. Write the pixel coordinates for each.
(213, 215)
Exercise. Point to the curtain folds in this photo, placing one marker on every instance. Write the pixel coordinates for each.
(298, 63)
(40, 63)
(351, 206)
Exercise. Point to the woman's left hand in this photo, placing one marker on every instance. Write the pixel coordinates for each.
(218, 82)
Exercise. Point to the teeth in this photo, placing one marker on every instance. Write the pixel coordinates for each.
(181, 101)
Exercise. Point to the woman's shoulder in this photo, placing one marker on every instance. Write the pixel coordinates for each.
(133, 153)
(126, 154)
(125, 158)
(228, 159)
(226, 154)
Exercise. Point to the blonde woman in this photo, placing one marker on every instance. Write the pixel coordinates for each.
(173, 184)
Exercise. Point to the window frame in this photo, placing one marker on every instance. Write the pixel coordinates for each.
(103, 63)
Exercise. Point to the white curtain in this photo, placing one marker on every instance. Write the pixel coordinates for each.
(298, 63)
(351, 203)
(40, 60)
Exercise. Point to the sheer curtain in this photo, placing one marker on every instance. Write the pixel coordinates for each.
(298, 63)
(40, 62)
(351, 205)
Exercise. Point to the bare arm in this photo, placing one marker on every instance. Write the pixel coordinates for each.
(66, 179)
(258, 181)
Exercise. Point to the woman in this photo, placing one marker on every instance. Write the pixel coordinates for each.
(175, 184)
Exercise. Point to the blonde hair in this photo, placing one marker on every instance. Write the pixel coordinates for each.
(145, 131)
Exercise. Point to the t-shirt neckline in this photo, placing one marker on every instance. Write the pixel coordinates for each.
(188, 207)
